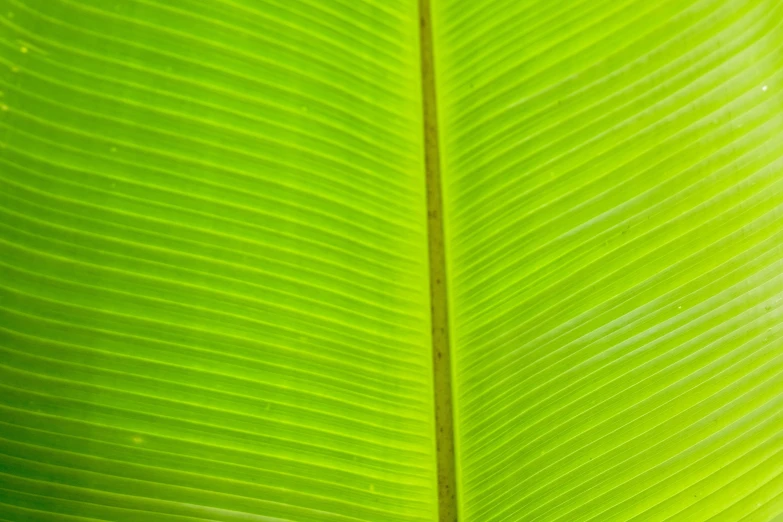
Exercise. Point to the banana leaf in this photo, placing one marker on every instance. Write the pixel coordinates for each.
(240, 240)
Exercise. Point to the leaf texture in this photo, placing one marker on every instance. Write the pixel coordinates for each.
(213, 271)
(613, 182)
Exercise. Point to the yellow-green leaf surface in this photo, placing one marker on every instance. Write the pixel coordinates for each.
(214, 286)
(613, 177)
(213, 262)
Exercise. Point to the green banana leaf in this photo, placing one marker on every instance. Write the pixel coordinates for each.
(614, 189)
(217, 288)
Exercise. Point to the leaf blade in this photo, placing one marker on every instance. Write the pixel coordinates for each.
(213, 262)
(611, 177)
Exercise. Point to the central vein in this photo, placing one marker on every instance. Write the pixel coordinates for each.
(441, 357)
